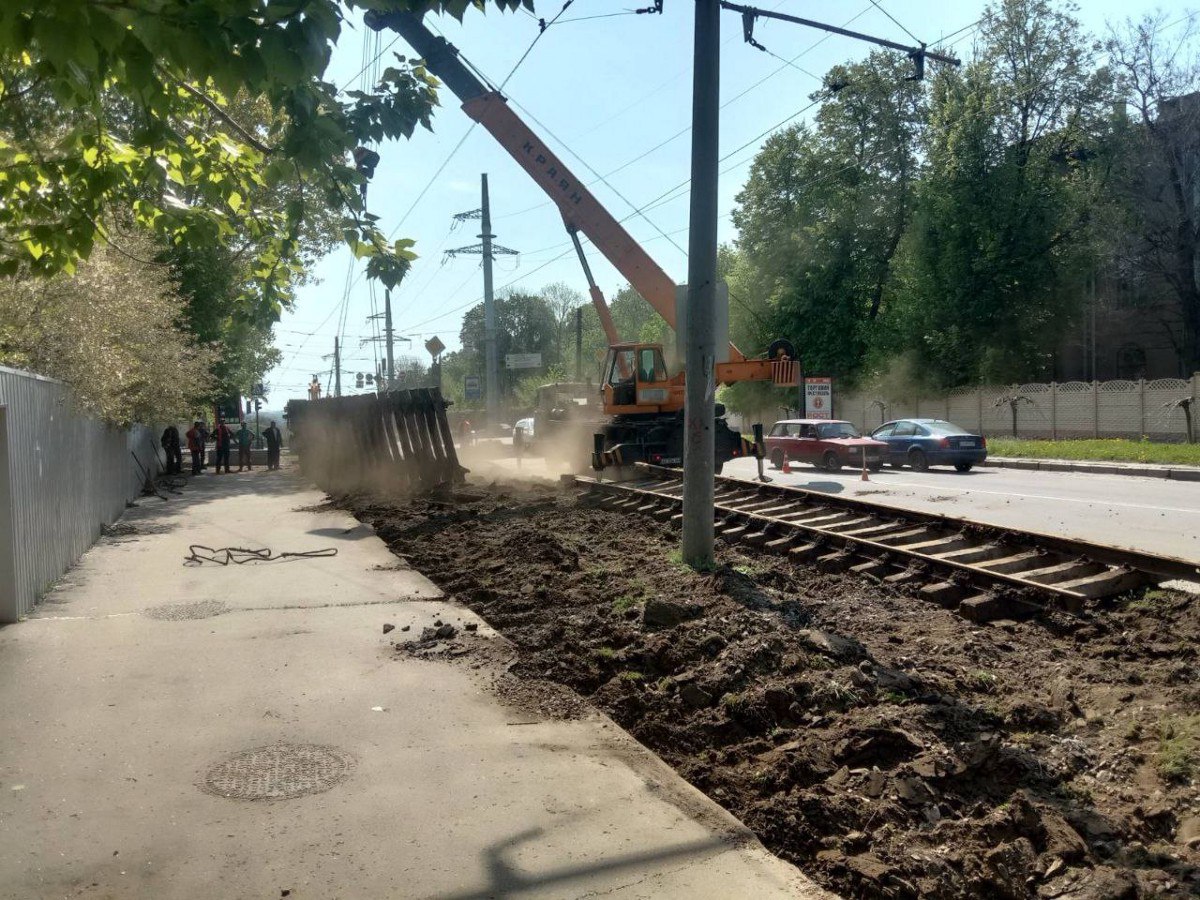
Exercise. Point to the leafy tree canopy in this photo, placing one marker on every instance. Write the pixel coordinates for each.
(131, 107)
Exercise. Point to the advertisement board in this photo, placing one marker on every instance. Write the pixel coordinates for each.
(818, 397)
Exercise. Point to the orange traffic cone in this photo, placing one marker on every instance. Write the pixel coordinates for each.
(864, 476)
(787, 469)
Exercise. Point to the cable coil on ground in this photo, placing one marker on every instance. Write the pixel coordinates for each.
(223, 556)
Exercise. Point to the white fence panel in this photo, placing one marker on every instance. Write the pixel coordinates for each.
(62, 477)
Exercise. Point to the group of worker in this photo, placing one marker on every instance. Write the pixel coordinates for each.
(198, 437)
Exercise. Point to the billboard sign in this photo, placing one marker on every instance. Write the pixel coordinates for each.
(523, 360)
(818, 397)
(473, 387)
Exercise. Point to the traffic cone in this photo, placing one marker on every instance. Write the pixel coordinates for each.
(787, 469)
(864, 476)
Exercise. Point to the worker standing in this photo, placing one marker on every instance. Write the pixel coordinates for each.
(244, 438)
(274, 441)
(205, 435)
(170, 445)
(223, 438)
(195, 442)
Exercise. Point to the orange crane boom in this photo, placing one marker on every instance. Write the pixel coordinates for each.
(580, 210)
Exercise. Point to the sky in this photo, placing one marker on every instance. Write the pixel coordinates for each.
(611, 94)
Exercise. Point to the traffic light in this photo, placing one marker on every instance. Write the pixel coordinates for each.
(257, 404)
(247, 407)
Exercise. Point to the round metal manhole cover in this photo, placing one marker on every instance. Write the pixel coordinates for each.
(202, 609)
(278, 772)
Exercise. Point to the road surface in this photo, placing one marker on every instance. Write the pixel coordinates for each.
(1149, 514)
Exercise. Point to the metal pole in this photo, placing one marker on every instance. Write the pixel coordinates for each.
(699, 452)
(489, 313)
(579, 344)
(337, 369)
(387, 330)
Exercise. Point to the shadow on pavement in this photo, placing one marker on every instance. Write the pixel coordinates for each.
(506, 881)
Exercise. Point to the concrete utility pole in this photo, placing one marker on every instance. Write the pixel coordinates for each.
(699, 451)
(489, 310)
(579, 344)
(337, 369)
(387, 331)
(488, 250)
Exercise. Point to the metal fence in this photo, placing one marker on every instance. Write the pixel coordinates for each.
(63, 476)
(1073, 409)
(396, 441)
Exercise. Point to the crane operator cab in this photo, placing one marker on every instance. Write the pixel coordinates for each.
(636, 380)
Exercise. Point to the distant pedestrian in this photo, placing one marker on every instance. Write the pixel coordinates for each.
(205, 435)
(274, 442)
(244, 438)
(170, 445)
(223, 438)
(195, 442)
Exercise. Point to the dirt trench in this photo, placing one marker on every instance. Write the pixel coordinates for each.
(883, 744)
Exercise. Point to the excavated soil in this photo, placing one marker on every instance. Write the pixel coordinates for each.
(885, 745)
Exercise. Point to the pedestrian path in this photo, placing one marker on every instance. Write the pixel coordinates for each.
(151, 711)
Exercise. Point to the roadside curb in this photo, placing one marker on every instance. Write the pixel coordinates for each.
(1173, 473)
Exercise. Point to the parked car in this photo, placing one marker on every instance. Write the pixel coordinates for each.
(523, 435)
(922, 443)
(824, 443)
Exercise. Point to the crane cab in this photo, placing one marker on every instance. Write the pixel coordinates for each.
(636, 380)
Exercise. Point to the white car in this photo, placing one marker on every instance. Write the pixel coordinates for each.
(523, 436)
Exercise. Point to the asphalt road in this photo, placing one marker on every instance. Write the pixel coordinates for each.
(1149, 514)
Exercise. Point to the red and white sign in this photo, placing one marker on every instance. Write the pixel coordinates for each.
(818, 397)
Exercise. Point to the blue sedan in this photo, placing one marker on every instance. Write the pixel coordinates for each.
(922, 443)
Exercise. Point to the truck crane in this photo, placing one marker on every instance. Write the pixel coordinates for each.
(642, 400)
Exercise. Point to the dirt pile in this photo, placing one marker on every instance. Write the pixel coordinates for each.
(885, 745)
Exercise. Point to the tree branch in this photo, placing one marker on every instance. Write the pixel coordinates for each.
(216, 110)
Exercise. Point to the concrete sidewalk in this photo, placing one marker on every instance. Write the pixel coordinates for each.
(1095, 467)
(116, 715)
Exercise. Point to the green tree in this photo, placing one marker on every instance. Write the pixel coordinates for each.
(113, 332)
(128, 108)
(822, 214)
(1158, 182)
(1016, 168)
(525, 323)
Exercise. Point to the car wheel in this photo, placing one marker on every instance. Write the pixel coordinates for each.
(963, 467)
(831, 461)
(918, 460)
(777, 458)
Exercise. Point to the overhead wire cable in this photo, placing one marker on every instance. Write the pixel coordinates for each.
(895, 21)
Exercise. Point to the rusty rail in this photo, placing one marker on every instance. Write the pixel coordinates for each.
(395, 441)
(984, 571)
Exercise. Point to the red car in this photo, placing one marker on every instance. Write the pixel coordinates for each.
(826, 444)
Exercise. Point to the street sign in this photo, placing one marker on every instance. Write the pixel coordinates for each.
(523, 360)
(473, 387)
(434, 346)
(818, 397)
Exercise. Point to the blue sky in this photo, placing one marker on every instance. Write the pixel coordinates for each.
(606, 90)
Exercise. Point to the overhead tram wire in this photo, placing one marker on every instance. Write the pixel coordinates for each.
(786, 64)
(895, 21)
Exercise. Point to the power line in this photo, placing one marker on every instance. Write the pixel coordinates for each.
(895, 21)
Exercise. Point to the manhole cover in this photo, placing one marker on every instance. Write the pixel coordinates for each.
(278, 772)
(201, 609)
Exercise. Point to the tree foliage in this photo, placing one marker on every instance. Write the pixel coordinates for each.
(130, 107)
(113, 332)
(1158, 213)
(950, 221)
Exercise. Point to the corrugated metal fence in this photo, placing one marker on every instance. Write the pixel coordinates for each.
(62, 476)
